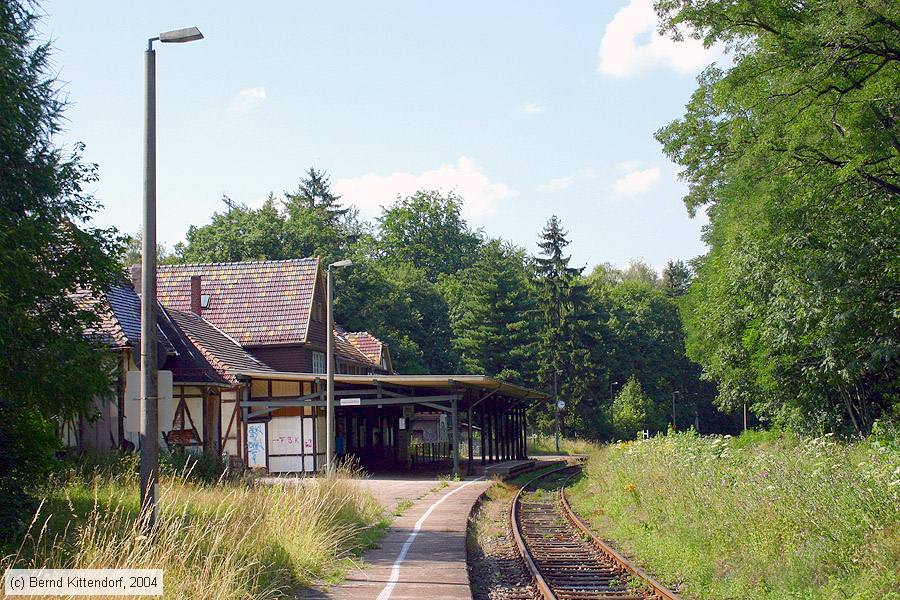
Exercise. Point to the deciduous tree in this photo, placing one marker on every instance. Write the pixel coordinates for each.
(793, 151)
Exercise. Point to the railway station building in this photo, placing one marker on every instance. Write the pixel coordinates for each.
(244, 344)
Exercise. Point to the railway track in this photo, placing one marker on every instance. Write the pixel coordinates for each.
(566, 560)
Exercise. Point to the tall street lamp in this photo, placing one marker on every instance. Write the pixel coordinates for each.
(674, 427)
(329, 369)
(559, 407)
(149, 367)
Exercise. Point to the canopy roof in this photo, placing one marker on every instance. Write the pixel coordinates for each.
(447, 382)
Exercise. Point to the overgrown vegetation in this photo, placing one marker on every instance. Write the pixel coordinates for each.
(794, 153)
(544, 445)
(224, 540)
(761, 516)
(49, 254)
(449, 299)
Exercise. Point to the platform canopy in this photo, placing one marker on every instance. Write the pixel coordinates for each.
(459, 383)
(499, 406)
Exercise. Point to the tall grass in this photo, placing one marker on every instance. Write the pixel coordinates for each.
(227, 540)
(760, 516)
(540, 444)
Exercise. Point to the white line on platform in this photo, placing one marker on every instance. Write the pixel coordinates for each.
(395, 571)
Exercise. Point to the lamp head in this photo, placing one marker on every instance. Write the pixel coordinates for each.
(180, 36)
(341, 263)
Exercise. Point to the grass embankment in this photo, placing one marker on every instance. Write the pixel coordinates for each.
(759, 516)
(545, 445)
(221, 540)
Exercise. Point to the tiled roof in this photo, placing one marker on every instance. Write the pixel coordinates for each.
(346, 349)
(369, 345)
(222, 352)
(187, 363)
(120, 316)
(119, 308)
(255, 303)
(108, 330)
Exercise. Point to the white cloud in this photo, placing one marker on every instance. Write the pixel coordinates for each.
(622, 54)
(558, 184)
(532, 108)
(247, 99)
(465, 177)
(563, 183)
(636, 182)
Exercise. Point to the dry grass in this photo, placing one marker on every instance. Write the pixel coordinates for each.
(227, 540)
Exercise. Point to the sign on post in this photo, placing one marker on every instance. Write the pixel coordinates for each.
(134, 409)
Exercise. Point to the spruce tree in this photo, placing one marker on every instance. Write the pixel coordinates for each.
(492, 320)
(568, 335)
(49, 370)
(314, 194)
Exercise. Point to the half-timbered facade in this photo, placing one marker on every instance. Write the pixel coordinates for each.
(245, 345)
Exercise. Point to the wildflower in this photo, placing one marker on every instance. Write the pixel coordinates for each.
(630, 488)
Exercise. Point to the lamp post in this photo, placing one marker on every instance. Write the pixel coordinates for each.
(611, 384)
(329, 368)
(149, 369)
(559, 409)
(674, 427)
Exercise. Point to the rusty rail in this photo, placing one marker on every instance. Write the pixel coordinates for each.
(567, 561)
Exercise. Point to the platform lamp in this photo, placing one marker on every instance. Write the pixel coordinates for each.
(675, 393)
(329, 369)
(149, 367)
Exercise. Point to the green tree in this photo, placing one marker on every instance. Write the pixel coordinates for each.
(491, 310)
(631, 410)
(567, 333)
(793, 151)
(645, 340)
(314, 194)
(49, 369)
(427, 230)
(133, 251)
(638, 270)
(241, 233)
(399, 305)
(676, 278)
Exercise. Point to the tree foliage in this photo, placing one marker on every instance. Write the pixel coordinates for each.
(794, 153)
(447, 300)
(491, 311)
(427, 230)
(49, 369)
(567, 343)
(631, 410)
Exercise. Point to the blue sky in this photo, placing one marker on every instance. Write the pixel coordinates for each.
(527, 109)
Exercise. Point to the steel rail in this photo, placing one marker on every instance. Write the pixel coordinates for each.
(660, 592)
(560, 560)
(539, 580)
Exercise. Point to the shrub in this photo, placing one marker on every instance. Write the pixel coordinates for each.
(631, 410)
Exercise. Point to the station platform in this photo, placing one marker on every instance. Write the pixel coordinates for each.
(423, 554)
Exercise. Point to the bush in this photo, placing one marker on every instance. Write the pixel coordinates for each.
(631, 410)
(763, 516)
(206, 467)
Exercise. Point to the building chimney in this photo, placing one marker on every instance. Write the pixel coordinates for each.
(196, 288)
(136, 278)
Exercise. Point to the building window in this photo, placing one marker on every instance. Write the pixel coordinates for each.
(318, 362)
